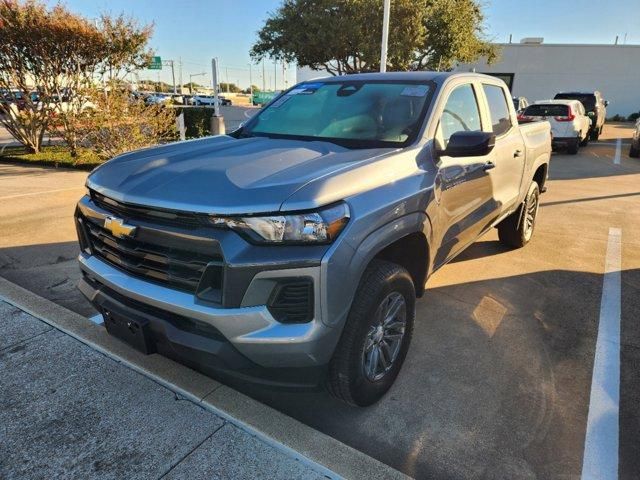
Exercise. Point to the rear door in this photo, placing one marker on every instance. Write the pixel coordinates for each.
(509, 151)
(463, 186)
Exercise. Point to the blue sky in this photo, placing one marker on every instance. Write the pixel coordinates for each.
(197, 30)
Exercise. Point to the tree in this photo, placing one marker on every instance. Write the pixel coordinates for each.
(253, 88)
(50, 51)
(61, 55)
(343, 36)
(228, 87)
(125, 47)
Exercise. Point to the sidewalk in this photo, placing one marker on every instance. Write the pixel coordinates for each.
(68, 411)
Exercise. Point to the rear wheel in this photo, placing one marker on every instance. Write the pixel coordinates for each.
(517, 229)
(585, 142)
(595, 134)
(376, 337)
(634, 151)
(573, 147)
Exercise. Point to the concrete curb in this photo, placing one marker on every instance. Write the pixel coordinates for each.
(321, 452)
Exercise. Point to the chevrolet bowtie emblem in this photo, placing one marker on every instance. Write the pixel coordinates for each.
(118, 228)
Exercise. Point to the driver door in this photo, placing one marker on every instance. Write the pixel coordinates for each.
(463, 184)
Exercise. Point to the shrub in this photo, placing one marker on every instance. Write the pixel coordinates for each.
(197, 121)
(633, 117)
(120, 124)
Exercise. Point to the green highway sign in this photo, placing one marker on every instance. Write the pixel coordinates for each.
(156, 63)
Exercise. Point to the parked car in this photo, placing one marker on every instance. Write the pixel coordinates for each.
(520, 103)
(177, 99)
(634, 150)
(292, 251)
(209, 100)
(570, 124)
(595, 106)
(158, 99)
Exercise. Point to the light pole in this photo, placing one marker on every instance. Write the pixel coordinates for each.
(191, 75)
(385, 36)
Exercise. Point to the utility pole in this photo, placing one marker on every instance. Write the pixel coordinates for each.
(250, 85)
(217, 122)
(180, 73)
(275, 74)
(264, 88)
(284, 75)
(226, 69)
(385, 36)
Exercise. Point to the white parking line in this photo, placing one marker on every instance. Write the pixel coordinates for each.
(616, 159)
(8, 197)
(600, 461)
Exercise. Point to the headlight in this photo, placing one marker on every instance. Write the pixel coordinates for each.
(321, 226)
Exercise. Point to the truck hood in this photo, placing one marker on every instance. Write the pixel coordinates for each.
(223, 175)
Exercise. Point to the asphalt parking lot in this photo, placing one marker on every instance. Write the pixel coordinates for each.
(497, 382)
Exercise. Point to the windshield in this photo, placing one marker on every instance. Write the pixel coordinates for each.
(357, 114)
(588, 100)
(550, 110)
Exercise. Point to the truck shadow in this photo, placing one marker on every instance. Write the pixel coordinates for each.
(497, 379)
(496, 383)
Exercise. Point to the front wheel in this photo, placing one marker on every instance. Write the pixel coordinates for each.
(376, 336)
(517, 229)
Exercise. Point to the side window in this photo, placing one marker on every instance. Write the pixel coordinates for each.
(460, 113)
(500, 118)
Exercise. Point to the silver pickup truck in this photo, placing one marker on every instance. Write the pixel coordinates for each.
(291, 252)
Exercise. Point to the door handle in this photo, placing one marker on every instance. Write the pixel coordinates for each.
(488, 166)
(517, 153)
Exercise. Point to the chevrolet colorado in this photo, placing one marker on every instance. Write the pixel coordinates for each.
(291, 251)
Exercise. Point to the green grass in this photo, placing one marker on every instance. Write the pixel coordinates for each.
(54, 156)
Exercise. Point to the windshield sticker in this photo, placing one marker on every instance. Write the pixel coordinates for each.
(280, 101)
(415, 91)
(305, 89)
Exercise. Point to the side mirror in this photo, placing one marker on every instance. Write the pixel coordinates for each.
(469, 144)
(606, 103)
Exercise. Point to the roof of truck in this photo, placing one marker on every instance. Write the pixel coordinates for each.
(437, 77)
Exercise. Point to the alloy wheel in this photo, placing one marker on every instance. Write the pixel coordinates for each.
(384, 338)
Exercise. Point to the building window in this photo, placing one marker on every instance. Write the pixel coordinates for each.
(505, 77)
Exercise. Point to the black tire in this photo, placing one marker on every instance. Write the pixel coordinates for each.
(347, 379)
(634, 151)
(572, 149)
(585, 142)
(517, 229)
(595, 134)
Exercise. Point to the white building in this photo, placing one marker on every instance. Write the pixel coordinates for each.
(538, 71)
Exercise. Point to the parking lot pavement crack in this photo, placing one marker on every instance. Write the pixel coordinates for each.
(186, 455)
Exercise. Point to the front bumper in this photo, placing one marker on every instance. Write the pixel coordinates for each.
(246, 342)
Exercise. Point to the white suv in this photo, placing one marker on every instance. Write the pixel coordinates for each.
(569, 122)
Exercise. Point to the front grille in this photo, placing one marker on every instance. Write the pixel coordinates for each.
(292, 301)
(179, 267)
(158, 215)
